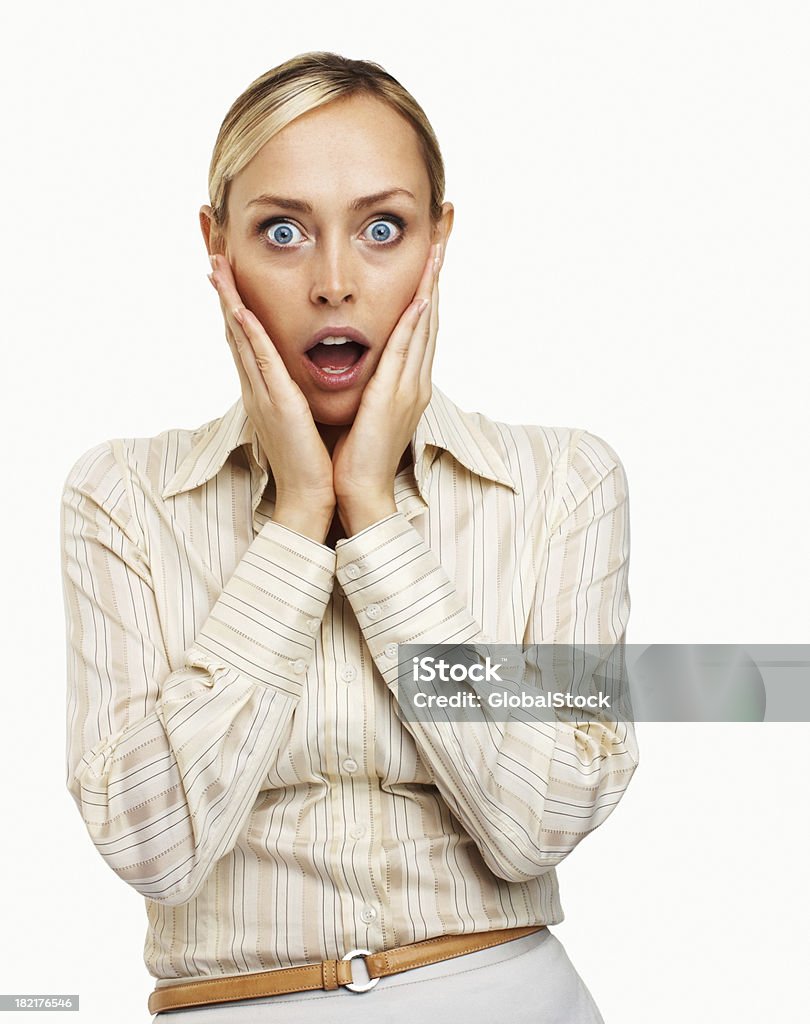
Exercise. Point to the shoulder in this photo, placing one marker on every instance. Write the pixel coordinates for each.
(572, 462)
(108, 471)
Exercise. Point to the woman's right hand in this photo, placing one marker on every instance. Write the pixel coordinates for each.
(277, 408)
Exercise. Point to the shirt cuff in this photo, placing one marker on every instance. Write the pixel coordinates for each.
(400, 592)
(264, 623)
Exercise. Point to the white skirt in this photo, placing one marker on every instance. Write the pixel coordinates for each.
(522, 981)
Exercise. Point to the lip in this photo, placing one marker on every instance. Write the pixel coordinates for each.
(338, 381)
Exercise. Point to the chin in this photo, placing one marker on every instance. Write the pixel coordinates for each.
(335, 412)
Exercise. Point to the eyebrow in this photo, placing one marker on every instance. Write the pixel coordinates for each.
(300, 206)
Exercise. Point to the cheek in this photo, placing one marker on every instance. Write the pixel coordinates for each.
(396, 291)
(256, 288)
(269, 298)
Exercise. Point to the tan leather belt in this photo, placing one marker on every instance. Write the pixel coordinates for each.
(330, 974)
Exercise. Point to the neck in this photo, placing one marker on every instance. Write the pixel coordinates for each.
(330, 434)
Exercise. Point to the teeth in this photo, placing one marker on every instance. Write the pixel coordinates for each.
(334, 341)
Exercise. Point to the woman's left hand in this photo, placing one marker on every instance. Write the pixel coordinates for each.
(366, 458)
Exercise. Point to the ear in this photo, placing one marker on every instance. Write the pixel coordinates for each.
(212, 233)
(443, 227)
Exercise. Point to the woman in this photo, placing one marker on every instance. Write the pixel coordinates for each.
(236, 596)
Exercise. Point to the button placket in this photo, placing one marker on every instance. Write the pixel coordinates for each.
(350, 749)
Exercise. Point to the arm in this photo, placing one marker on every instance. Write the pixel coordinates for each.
(164, 765)
(526, 792)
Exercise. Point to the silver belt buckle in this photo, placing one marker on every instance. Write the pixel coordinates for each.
(355, 986)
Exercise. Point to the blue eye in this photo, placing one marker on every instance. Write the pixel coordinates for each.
(382, 230)
(282, 234)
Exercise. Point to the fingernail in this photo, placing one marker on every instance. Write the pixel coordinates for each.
(239, 315)
(420, 309)
(212, 256)
(213, 282)
(438, 257)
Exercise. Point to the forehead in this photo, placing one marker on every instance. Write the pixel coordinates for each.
(349, 147)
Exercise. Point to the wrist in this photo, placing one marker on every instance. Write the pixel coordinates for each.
(309, 521)
(358, 515)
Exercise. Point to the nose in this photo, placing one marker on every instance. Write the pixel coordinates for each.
(333, 279)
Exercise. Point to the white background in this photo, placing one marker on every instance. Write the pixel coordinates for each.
(630, 255)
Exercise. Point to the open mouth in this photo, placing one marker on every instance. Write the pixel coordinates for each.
(336, 355)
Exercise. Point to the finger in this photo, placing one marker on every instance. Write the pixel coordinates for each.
(244, 379)
(229, 298)
(424, 335)
(412, 364)
(396, 352)
(426, 369)
(392, 361)
(278, 383)
(430, 272)
(264, 365)
(238, 343)
(247, 356)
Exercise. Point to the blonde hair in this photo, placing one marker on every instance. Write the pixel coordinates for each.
(299, 85)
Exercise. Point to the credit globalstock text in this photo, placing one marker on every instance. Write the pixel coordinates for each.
(429, 669)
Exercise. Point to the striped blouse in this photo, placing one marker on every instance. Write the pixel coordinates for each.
(233, 744)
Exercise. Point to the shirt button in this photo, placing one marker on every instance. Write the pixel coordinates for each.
(350, 765)
(391, 651)
(373, 611)
(357, 831)
(368, 914)
(348, 673)
(313, 625)
(352, 571)
(299, 667)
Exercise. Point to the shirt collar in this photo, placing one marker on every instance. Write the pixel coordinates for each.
(212, 446)
(443, 427)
